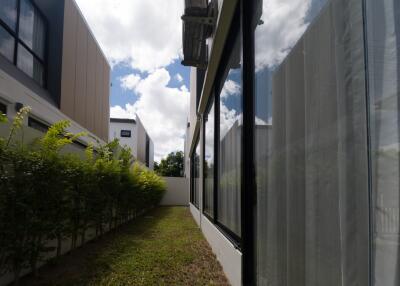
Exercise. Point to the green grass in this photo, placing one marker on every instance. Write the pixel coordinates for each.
(165, 247)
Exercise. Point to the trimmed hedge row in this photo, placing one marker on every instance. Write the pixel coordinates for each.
(46, 196)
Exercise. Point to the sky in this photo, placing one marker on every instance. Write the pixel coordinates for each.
(143, 43)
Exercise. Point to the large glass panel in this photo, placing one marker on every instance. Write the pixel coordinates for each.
(32, 29)
(310, 143)
(8, 13)
(383, 34)
(230, 141)
(209, 128)
(7, 44)
(29, 65)
(197, 175)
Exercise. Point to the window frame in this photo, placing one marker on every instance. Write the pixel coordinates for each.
(18, 41)
(211, 101)
(124, 133)
(192, 174)
(3, 108)
(235, 31)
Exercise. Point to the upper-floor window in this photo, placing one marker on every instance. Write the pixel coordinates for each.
(126, 133)
(23, 37)
(3, 108)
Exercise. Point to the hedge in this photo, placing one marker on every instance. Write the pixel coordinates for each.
(49, 196)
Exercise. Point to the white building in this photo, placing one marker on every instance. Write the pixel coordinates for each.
(131, 133)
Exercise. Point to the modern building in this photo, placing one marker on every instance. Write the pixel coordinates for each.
(50, 61)
(293, 138)
(132, 133)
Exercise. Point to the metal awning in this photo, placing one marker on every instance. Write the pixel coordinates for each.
(198, 24)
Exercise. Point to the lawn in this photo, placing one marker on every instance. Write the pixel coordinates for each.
(164, 247)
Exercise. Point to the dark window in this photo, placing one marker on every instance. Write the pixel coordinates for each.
(195, 176)
(230, 138)
(209, 129)
(30, 65)
(3, 108)
(32, 28)
(29, 52)
(126, 133)
(8, 13)
(38, 125)
(147, 151)
(7, 44)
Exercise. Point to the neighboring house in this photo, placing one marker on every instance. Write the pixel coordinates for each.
(50, 61)
(293, 138)
(132, 133)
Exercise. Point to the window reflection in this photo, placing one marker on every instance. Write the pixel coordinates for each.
(32, 28)
(209, 161)
(230, 143)
(383, 28)
(310, 134)
(29, 65)
(8, 13)
(6, 44)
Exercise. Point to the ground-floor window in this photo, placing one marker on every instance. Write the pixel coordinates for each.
(209, 159)
(230, 124)
(195, 176)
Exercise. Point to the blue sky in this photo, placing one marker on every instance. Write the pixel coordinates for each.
(121, 96)
(143, 43)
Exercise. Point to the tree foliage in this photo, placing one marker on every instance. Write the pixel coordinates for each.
(172, 166)
(49, 196)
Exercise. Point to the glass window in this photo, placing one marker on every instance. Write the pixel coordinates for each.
(230, 141)
(3, 108)
(8, 13)
(195, 179)
(383, 30)
(310, 143)
(32, 29)
(30, 65)
(209, 129)
(36, 124)
(7, 44)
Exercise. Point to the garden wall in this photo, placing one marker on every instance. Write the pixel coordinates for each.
(177, 193)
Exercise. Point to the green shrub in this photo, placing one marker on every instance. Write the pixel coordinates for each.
(45, 195)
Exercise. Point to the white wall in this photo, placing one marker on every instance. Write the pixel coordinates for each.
(12, 91)
(176, 194)
(115, 132)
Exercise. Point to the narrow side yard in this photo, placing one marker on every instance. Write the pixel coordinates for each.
(164, 247)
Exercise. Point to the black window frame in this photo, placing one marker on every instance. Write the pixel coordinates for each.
(192, 174)
(18, 41)
(37, 124)
(211, 101)
(3, 108)
(124, 133)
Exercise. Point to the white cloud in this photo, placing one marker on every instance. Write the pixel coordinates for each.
(162, 109)
(130, 81)
(230, 88)
(284, 23)
(145, 34)
(178, 77)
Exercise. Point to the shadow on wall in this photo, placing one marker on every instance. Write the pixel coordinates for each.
(177, 193)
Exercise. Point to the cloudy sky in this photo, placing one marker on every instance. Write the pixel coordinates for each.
(142, 40)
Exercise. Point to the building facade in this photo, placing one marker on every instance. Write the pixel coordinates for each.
(50, 61)
(294, 138)
(132, 133)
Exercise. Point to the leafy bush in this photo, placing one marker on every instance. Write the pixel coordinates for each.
(48, 196)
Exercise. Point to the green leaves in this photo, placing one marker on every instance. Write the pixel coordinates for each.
(172, 166)
(3, 118)
(46, 195)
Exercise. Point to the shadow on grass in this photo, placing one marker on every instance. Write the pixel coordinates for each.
(93, 262)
